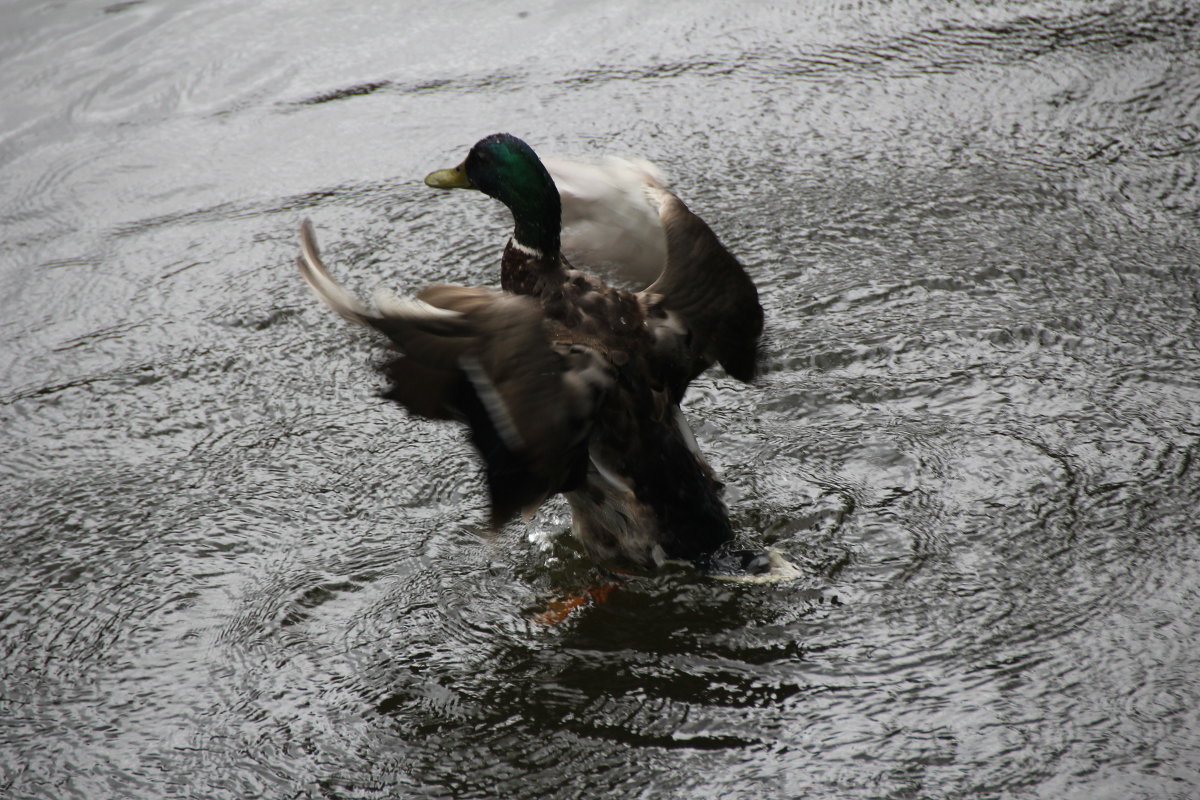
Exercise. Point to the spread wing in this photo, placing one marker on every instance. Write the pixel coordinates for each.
(711, 305)
(607, 224)
(483, 357)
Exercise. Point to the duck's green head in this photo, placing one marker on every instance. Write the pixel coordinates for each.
(504, 167)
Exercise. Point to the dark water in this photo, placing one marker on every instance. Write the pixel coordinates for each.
(230, 572)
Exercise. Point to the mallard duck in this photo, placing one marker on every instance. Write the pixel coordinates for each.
(568, 385)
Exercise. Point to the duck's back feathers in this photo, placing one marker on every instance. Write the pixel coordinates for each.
(618, 216)
(484, 357)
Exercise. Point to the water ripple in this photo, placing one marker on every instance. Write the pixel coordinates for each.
(232, 571)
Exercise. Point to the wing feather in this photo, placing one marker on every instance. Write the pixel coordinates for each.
(483, 357)
(709, 290)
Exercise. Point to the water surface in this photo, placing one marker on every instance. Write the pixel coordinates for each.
(230, 571)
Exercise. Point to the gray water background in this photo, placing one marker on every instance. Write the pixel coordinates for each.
(230, 571)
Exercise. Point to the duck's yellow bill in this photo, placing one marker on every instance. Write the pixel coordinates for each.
(453, 178)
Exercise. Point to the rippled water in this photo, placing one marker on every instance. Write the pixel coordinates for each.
(229, 571)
